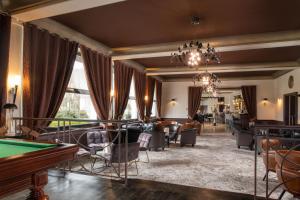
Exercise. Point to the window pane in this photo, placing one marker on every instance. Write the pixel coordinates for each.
(131, 110)
(78, 79)
(154, 95)
(76, 106)
(154, 109)
(132, 89)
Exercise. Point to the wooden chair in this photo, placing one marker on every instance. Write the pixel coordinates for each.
(288, 171)
(3, 131)
(28, 132)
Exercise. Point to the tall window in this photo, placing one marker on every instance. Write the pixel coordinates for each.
(131, 111)
(77, 103)
(154, 105)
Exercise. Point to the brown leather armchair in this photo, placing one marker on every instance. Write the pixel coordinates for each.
(288, 171)
(269, 160)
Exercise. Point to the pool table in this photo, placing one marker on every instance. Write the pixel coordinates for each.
(24, 165)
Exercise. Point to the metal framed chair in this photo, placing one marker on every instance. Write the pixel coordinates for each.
(117, 155)
(144, 140)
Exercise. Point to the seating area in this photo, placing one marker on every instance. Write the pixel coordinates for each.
(149, 99)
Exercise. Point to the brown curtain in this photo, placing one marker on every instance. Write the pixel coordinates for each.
(249, 96)
(98, 73)
(48, 64)
(158, 97)
(150, 84)
(5, 24)
(123, 77)
(194, 100)
(140, 86)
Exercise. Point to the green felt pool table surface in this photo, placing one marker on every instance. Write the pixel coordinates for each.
(10, 147)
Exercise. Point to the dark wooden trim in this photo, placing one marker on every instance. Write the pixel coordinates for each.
(179, 120)
(29, 170)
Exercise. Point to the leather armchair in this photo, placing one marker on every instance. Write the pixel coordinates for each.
(269, 159)
(188, 136)
(158, 136)
(288, 171)
(244, 137)
(134, 130)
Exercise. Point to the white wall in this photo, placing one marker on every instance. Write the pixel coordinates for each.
(179, 91)
(281, 88)
(15, 64)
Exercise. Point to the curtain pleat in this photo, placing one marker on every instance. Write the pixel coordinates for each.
(249, 96)
(5, 24)
(140, 86)
(194, 100)
(123, 76)
(48, 63)
(98, 73)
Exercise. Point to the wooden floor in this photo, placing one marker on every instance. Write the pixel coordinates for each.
(83, 187)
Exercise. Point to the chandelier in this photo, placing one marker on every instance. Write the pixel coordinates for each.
(193, 54)
(208, 81)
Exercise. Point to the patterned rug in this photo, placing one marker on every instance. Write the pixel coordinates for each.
(215, 163)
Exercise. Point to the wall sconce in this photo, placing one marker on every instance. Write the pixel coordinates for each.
(146, 98)
(112, 93)
(13, 83)
(279, 102)
(265, 101)
(173, 102)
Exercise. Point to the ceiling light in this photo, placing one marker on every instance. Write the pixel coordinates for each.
(193, 54)
(195, 20)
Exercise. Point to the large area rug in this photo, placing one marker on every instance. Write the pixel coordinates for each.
(215, 162)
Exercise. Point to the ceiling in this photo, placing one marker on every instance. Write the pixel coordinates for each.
(11, 6)
(140, 22)
(142, 26)
(151, 22)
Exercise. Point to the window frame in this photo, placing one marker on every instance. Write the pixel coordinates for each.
(72, 90)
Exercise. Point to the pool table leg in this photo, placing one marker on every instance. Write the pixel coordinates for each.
(39, 180)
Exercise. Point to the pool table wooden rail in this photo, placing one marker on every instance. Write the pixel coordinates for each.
(29, 170)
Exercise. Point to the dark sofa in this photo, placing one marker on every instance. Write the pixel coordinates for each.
(245, 134)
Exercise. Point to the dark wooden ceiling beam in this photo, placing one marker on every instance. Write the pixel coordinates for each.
(40, 9)
(222, 44)
(282, 66)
